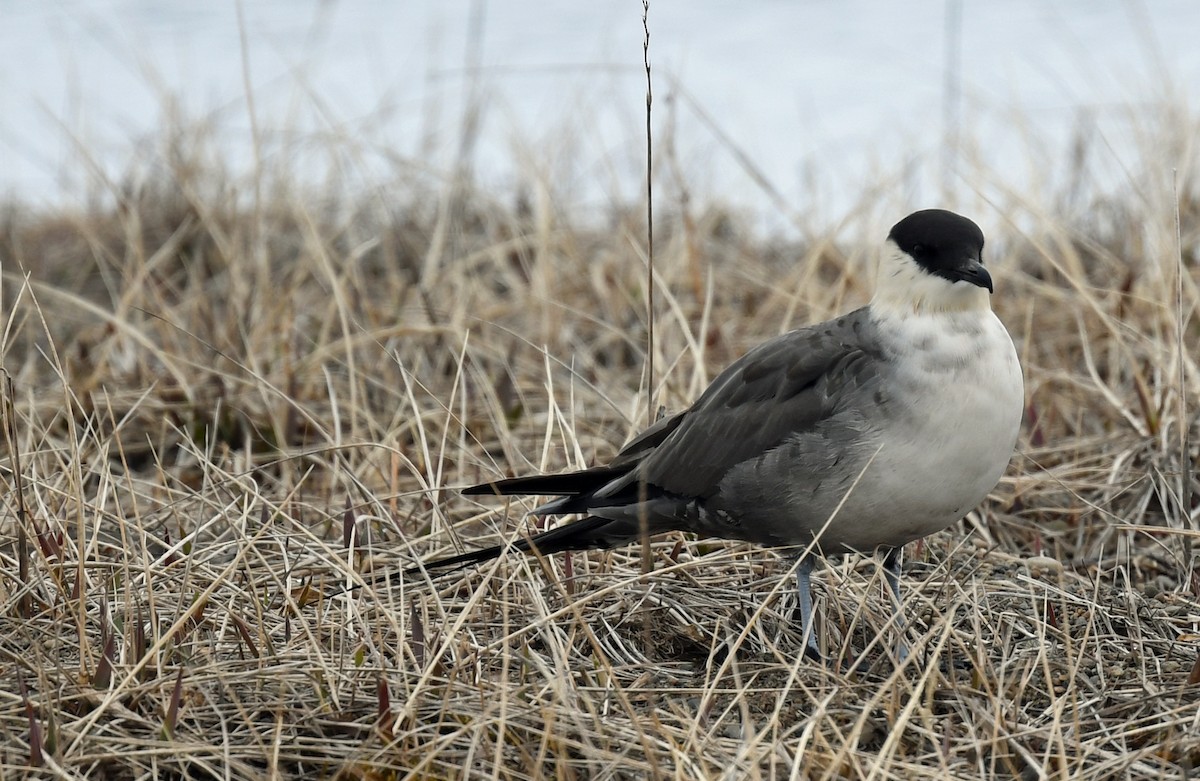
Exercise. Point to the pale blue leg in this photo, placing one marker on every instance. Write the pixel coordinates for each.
(891, 571)
(804, 593)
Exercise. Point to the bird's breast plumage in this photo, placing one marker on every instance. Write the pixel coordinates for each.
(955, 401)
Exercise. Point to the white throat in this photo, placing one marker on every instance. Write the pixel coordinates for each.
(903, 288)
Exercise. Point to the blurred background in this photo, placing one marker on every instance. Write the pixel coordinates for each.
(792, 111)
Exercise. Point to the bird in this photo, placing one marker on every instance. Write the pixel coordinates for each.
(858, 434)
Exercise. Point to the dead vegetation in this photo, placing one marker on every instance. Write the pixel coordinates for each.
(225, 408)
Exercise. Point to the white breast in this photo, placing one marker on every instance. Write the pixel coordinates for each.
(959, 399)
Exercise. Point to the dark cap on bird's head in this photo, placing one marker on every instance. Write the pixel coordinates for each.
(945, 244)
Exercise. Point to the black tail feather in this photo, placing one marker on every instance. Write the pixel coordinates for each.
(584, 534)
(567, 484)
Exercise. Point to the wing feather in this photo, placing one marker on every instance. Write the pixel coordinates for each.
(782, 388)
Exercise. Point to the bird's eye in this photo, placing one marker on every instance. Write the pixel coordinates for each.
(918, 249)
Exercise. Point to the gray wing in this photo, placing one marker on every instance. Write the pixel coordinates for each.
(782, 389)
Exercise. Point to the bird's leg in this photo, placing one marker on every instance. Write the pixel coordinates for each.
(804, 593)
(891, 571)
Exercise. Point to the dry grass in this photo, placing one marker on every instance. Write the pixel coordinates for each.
(225, 408)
